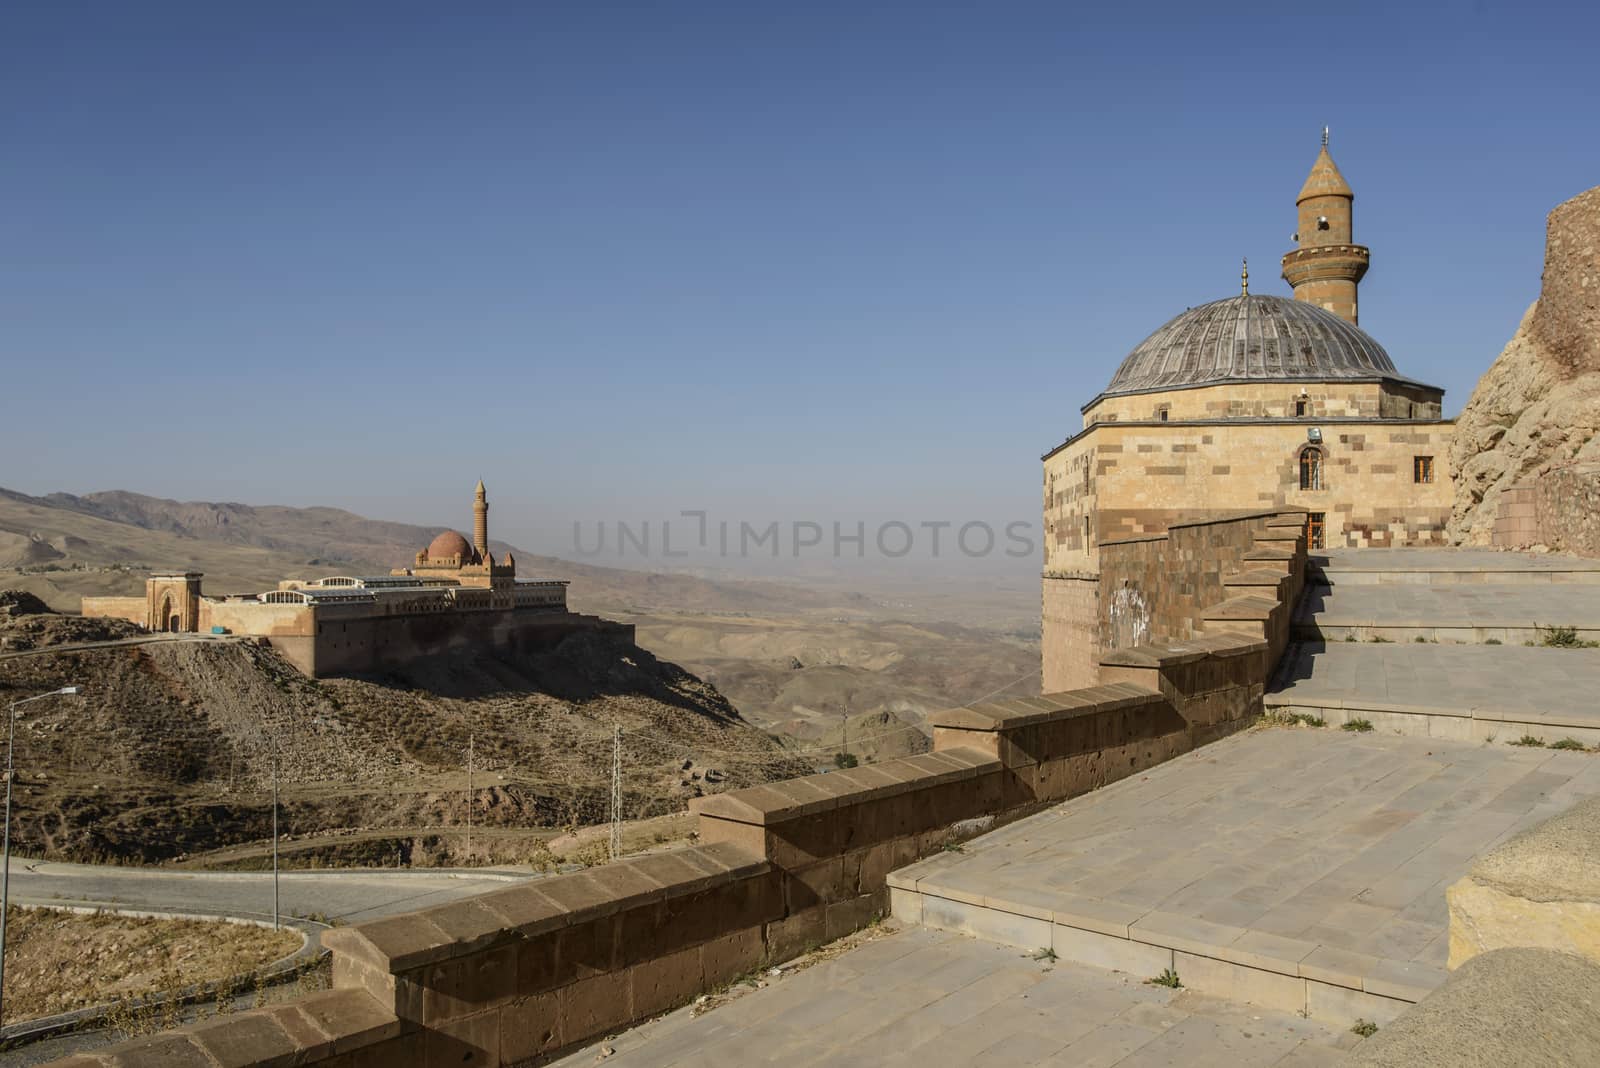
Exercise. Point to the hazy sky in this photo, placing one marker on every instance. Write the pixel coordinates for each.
(778, 261)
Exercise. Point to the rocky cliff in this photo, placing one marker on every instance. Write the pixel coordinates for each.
(1537, 408)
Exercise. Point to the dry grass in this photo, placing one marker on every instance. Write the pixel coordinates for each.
(58, 961)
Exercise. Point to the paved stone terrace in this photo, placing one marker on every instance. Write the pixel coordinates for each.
(1455, 677)
(932, 998)
(1327, 848)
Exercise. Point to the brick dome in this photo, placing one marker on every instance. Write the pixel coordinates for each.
(449, 544)
(1252, 338)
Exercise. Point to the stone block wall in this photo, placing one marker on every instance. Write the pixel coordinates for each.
(1559, 510)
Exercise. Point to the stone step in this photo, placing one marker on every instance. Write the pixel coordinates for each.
(1449, 567)
(1459, 614)
(1465, 694)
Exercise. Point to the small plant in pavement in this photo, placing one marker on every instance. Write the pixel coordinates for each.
(1563, 638)
(1168, 978)
(1528, 741)
(1570, 743)
(1045, 953)
(1365, 1028)
(1359, 725)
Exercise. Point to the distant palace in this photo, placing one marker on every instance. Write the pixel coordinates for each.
(455, 597)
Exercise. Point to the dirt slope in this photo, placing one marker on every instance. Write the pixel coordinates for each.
(169, 749)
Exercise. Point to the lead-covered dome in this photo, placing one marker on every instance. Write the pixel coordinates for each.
(1251, 338)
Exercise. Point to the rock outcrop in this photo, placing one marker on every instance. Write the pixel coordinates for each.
(1537, 408)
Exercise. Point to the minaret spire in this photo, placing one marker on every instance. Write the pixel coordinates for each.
(1327, 266)
(480, 521)
(1244, 277)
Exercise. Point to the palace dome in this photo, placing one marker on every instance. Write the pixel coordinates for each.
(1251, 338)
(449, 544)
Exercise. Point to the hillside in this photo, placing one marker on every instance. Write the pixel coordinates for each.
(790, 656)
(169, 749)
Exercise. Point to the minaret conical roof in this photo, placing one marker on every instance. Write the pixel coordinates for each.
(1325, 180)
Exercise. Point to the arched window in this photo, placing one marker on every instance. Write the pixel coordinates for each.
(1310, 468)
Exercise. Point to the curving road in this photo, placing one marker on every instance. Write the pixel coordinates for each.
(346, 896)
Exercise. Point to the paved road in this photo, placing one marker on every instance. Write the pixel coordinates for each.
(346, 896)
(114, 643)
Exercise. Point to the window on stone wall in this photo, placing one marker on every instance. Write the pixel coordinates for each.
(1422, 469)
(1315, 523)
(1310, 469)
(1162, 412)
(1299, 407)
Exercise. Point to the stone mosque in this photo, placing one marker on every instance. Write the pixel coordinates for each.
(1246, 403)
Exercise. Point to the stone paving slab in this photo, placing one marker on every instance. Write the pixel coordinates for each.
(1462, 678)
(1284, 864)
(1475, 606)
(934, 999)
(1488, 561)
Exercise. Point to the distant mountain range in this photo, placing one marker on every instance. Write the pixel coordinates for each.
(62, 547)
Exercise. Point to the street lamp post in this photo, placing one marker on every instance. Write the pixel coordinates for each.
(5, 865)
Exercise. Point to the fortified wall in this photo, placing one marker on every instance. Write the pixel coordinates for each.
(520, 974)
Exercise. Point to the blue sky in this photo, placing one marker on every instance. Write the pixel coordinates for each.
(779, 261)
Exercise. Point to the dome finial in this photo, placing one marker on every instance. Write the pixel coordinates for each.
(1244, 277)
(1324, 137)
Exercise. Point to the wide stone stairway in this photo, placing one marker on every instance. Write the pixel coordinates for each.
(1470, 645)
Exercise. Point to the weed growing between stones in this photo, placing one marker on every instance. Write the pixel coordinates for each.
(1364, 1028)
(1563, 638)
(1378, 639)
(1570, 743)
(1528, 741)
(1168, 978)
(1360, 726)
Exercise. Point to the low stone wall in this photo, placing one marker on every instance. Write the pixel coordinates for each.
(519, 974)
(1559, 510)
(133, 609)
(1539, 890)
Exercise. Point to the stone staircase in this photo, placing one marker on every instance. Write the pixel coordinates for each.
(1463, 644)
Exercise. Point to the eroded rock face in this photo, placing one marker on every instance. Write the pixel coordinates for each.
(1538, 405)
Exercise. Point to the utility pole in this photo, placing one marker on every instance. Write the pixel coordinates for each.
(616, 791)
(844, 727)
(274, 835)
(11, 773)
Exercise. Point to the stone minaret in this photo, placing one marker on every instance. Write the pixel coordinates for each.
(1326, 267)
(480, 522)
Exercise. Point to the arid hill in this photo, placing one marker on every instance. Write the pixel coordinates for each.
(169, 750)
(1537, 409)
